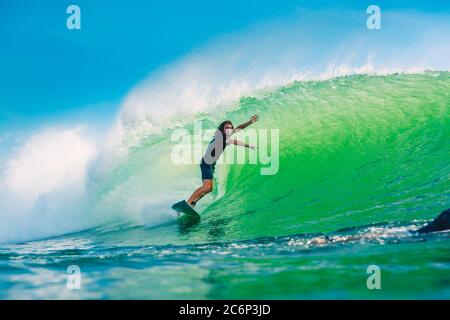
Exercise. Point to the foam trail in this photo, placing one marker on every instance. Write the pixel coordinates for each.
(43, 185)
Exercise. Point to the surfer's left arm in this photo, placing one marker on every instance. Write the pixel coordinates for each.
(246, 124)
(243, 144)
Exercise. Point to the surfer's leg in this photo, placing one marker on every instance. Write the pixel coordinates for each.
(207, 178)
(200, 192)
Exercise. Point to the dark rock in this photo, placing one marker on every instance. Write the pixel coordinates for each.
(440, 223)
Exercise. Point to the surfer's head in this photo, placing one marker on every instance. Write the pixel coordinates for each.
(226, 128)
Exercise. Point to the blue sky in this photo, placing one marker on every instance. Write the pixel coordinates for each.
(47, 69)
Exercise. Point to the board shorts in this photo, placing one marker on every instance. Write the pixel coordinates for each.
(207, 171)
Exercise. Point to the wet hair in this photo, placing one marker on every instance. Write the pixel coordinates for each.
(221, 127)
(220, 134)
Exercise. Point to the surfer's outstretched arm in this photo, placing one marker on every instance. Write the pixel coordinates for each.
(246, 124)
(243, 144)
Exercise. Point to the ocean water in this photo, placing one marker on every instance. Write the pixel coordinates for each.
(363, 161)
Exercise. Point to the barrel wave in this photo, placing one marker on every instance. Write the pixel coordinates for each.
(358, 130)
(353, 151)
(363, 163)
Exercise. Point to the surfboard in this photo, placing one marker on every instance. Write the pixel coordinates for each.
(184, 207)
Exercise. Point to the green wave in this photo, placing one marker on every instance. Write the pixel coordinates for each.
(353, 150)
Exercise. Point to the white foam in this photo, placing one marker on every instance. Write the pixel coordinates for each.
(43, 185)
(306, 46)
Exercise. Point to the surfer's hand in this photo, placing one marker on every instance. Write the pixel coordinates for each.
(254, 118)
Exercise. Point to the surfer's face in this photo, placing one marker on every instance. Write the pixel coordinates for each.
(228, 129)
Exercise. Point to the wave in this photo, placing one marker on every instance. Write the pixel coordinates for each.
(307, 46)
(358, 142)
(353, 150)
(42, 189)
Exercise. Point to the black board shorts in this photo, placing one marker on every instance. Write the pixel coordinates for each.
(207, 171)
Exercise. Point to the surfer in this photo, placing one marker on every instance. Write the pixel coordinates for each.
(222, 138)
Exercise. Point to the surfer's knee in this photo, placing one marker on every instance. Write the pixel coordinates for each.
(207, 186)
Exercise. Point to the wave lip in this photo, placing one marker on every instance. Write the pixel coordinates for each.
(306, 46)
